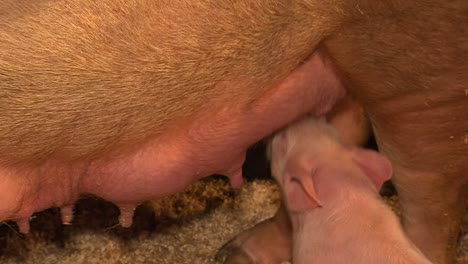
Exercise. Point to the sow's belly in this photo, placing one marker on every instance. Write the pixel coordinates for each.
(212, 140)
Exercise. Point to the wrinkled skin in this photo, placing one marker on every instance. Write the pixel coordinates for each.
(133, 100)
(331, 192)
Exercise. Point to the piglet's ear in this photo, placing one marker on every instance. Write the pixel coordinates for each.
(376, 166)
(299, 189)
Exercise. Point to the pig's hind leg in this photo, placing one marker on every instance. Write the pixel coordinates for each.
(430, 156)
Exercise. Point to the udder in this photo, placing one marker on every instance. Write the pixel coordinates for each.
(213, 140)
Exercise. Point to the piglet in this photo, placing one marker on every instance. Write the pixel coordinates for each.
(331, 191)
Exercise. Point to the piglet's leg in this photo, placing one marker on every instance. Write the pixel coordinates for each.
(269, 241)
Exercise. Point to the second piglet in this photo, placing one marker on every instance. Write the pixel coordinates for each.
(331, 191)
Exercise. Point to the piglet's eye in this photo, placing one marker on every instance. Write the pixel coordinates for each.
(293, 178)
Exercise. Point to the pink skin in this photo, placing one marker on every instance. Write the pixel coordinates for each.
(331, 191)
(168, 163)
(270, 241)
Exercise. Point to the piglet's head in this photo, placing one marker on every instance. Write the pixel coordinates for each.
(307, 150)
(300, 174)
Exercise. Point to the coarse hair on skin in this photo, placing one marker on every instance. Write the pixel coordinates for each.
(79, 78)
(408, 68)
